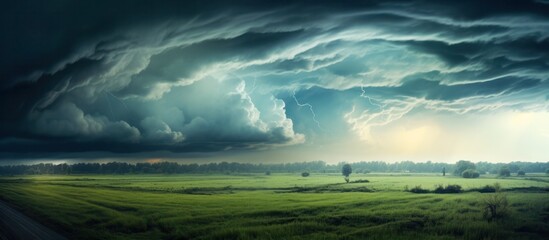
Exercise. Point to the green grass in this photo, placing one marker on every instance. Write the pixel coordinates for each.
(256, 206)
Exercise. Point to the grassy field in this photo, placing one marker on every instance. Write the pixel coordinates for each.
(279, 206)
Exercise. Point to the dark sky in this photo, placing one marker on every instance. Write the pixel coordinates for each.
(363, 80)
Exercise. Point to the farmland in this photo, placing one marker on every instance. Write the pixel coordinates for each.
(277, 206)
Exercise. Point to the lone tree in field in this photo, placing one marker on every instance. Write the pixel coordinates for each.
(443, 171)
(495, 204)
(346, 171)
(463, 165)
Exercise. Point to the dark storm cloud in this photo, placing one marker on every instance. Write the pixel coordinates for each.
(178, 63)
(434, 90)
(189, 76)
(530, 50)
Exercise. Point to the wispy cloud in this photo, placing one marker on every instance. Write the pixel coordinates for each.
(178, 78)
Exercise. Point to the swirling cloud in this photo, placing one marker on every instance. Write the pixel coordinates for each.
(193, 77)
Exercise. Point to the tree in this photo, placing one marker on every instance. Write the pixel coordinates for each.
(513, 168)
(504, 172)
(521, 173)
(305, 174)
(346, 170)
(470, 173)
(495, 205)
(443, 171)
(463, 165)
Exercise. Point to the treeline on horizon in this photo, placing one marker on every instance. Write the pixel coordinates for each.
(234, 167)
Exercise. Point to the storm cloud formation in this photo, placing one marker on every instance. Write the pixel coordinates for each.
(189, 76)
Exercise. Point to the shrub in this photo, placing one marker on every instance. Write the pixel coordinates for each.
(521, 173)
(305, 174)
(451, 188)
(470, 173)
(268, 173)
(487, 189)
(418, 189)
(439, 189)
(360, 181)
(495, 206)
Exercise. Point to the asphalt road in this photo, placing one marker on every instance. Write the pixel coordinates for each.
(15, 225)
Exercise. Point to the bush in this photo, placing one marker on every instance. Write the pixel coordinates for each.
(268, 173)
(418, 189)
(495, 206)
(360, 181)
(439, 189)
(487, 189)
(521, 173)
(305, 174)
(451, 188)
(470, 173)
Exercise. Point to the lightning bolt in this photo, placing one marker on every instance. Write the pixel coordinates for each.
(363, 94)
(310, 108)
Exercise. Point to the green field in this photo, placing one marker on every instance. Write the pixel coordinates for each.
(279, 206)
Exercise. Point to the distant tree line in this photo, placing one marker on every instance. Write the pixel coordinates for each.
(233, 167)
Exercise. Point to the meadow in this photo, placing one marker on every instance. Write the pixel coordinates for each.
(277, 206)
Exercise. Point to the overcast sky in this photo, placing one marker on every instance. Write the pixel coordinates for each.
(275, 81)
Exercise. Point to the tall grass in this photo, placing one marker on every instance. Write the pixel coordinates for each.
(264, 207)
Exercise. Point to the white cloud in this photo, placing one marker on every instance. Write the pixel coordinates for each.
(158, 132)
